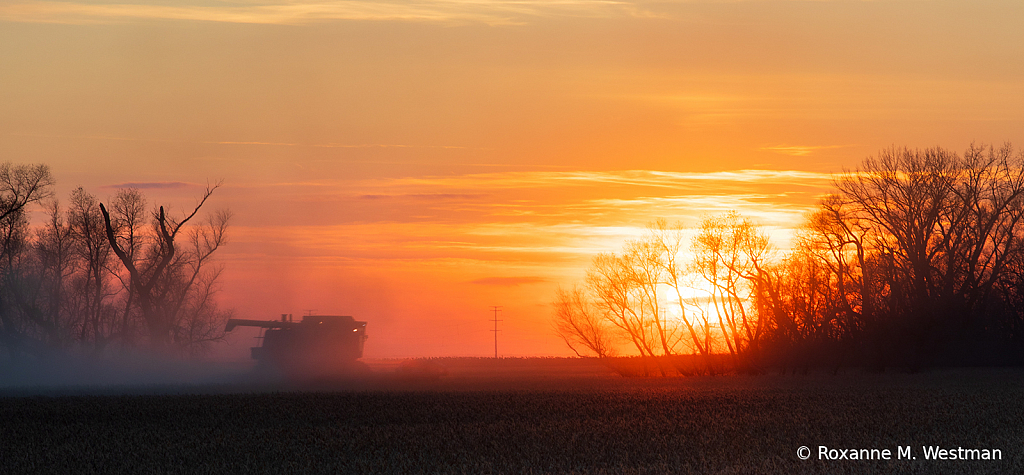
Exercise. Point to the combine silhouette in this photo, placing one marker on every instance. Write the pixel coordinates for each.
(319, 345)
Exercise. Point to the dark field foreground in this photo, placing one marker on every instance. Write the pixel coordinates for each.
(582, 423)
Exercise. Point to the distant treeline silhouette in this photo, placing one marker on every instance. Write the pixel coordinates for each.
(915, 259)
(95, 278)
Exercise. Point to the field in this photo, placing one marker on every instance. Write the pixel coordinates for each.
(519, 416)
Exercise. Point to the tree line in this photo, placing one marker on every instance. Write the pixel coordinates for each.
(95, 277)
(914, 259)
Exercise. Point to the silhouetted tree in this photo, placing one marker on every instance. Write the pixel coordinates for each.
(130, 221)
(579, 325)
(62, 289)
(91, 287)
(20, 186)
(668, 239)
(730, 255)
(916, 258)
(945, 227)
(190, 285)
(627, 292)
(620, 301)
(54, 256)
(160, 279)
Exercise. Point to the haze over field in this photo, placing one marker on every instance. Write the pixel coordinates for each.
(413, 163)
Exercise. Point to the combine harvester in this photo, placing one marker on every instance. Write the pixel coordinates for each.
(320, 346)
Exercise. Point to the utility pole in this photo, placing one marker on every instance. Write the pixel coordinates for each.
(496, 309)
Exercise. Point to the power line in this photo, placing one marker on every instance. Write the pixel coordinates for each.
(496, 309)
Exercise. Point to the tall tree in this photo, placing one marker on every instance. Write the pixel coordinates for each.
(20, 186)
(730, 255)
(669, 240)
(146, 276)
(93, 283)
(579, 324)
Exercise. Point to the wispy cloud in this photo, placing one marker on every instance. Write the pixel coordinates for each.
(474, 184)
(426, 196)
(644, 178)
(333, 145)
(800, 150)
(509, 281)
(246, 143)
(546, 198)
(152, 185)
(300, 11)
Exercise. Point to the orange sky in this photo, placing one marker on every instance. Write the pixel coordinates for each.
(413, 163)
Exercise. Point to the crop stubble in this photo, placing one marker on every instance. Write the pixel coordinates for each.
(725, 424)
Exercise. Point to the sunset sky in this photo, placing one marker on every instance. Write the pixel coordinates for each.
(412, 163)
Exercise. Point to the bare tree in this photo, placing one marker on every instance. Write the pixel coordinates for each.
(920, 249)
(945, 228)
(579, 324)
(129, 221)
(59, 282)
(56, 265)
(669, 239)
(20, 186)
(148, 276)
(916, 258)
(731, 254)
(646, 270)
(92, 286)
(610, 279)
(191, 284)
(627, 293)
(905, 194)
